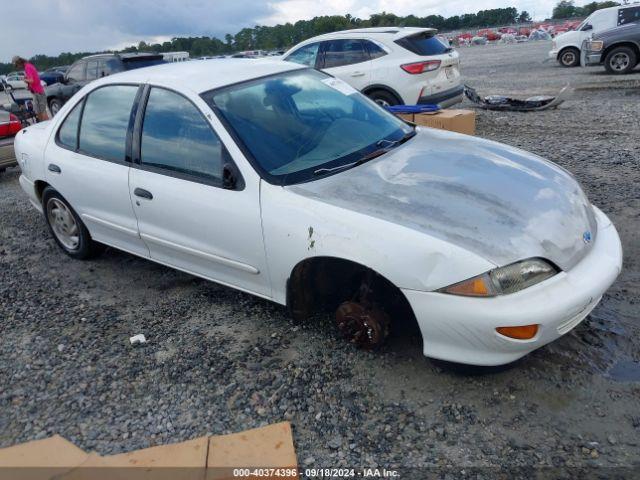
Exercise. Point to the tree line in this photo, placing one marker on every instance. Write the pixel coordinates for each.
(566, 9)
(285, 35)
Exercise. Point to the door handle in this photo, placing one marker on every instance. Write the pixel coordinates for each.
(54, 168)
(142, 193)
(357, 74)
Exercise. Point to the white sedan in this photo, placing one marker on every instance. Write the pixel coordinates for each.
(286, 183)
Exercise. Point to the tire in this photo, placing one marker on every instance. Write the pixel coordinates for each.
(55, 104)
(383, 98)
(569, 57)
(67, 229)
(620, 60)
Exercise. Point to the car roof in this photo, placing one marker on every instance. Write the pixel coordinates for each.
(377, 32)
(203, 76)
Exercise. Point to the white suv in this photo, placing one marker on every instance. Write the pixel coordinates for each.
(391, 65)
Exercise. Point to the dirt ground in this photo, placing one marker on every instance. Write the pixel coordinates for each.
(220, 361)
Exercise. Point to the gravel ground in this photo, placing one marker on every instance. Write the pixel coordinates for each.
(221, 361)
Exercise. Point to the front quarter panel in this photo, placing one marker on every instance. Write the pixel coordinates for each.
(297, 228)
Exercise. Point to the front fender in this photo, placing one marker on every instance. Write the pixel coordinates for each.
(296, 228)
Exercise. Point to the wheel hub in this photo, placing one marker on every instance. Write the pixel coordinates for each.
(63, 224)
(365, 327)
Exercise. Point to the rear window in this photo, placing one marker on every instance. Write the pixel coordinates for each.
(131, 63)
(424, 43)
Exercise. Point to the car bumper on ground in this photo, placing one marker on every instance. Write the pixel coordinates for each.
(444, 99)
(462, 329)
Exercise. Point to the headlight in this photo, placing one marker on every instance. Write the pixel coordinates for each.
(595, 45)
(504, 280)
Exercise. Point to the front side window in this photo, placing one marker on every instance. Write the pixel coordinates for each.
(105, 122)
(68, 133)
(305, 55)
(76, 72)
(177, 137)
(338, 53)
(92, 70)
(296, 125)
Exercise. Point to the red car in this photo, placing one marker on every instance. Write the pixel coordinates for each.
(9, 126)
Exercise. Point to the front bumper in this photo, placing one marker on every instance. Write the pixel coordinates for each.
(590, 59)
(444, 99)
(462, 329)
(553, 55)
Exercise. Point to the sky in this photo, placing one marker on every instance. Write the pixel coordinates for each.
(50, 27)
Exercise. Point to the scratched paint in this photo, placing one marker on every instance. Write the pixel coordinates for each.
(494, 200)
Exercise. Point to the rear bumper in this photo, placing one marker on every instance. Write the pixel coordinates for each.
(7, 155)
(444, 99)
(462, 329)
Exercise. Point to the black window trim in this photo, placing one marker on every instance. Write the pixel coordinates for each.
(137, 146)
(132, 116)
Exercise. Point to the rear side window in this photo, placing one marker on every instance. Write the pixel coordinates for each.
(177, 137)
(375, 51)
(133, 63)
(105, 122)
(338, 53)
(305, 55)
(424, 44)
(68, 133)
(628, 15)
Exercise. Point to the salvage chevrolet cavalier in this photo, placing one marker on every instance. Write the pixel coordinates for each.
(286, 183)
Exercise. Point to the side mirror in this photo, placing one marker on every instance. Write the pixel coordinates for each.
(587, 27)
(229, 177)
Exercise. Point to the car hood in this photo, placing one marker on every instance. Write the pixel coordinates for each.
(497, 201)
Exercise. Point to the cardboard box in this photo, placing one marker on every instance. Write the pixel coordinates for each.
(461, 121)
(214, 458)
(260, 448)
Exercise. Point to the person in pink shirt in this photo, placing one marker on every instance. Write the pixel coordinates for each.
(32, 78)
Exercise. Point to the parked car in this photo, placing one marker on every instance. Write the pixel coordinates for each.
(617, 49)
(9, 126)
(90, 68)
(16, 81)
(287, 183)
(53, 75)
(391, 65)
(566, 46)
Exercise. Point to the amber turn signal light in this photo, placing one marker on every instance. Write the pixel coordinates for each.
(525, 332)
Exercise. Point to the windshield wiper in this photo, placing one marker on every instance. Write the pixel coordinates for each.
(368, 156)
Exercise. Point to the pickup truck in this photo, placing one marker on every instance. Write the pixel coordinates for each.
(618, 49)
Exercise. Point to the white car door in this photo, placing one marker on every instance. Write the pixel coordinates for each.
(86, 162)
(348, 60)
(187, 216)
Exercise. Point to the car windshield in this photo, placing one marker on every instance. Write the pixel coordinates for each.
(301, 125)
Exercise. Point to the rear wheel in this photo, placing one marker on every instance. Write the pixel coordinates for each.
(569, 57)
(67, 229)
(620, 60)
(383, 98)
